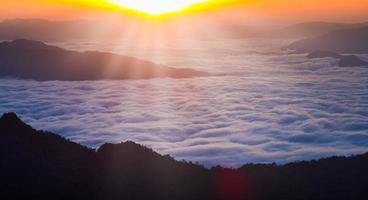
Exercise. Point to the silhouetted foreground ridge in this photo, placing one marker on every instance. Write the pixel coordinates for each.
(29, 59)
(42, 165)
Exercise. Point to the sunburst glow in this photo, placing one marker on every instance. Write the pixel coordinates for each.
(156, 6)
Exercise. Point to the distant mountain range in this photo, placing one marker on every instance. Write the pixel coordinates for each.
(42, 165)
(29, 59)
(310, 29)
(44, 30)
(109, 30)
(341, 41)
(89, 30)
(344, 60)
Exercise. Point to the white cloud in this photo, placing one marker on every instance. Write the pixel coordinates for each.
(269, 108)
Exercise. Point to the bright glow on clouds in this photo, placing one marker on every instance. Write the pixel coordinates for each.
(156, 6)
(269, 108)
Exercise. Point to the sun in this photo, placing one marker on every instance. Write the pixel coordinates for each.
(156, 7)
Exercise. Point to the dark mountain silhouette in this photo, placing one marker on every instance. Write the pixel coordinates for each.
(341, 41)
(310, 29)
(344, 60)
(36, 164)
(29, 59)
(41, 165)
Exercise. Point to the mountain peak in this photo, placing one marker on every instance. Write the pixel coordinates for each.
(26, 41)
(10, 117)
(130, 152)
(11, 121)
(344, 60)
(28, 59)
(27, 44)
(128, 145)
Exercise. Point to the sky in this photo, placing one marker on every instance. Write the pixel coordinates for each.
(269, 107)
(277, 10)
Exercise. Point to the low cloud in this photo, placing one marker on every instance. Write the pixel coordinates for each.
(279, 109)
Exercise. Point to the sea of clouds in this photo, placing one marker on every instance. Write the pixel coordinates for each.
(269, 107)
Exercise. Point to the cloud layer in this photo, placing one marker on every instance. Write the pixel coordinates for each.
(275, 108)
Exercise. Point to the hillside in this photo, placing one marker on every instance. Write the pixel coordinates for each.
(35, 60)
(343, 60)
(45, 30)
(341, 41)
(313, 29)
(41, 165)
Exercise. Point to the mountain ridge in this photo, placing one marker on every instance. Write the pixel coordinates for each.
(42, 165)
(316, 28)
(344, 60)
(46, 30)
(340, 41)
(28, 59)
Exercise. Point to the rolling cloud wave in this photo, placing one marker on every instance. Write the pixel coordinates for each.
(284, 109)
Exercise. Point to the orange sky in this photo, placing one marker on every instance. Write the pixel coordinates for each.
(292, 10)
